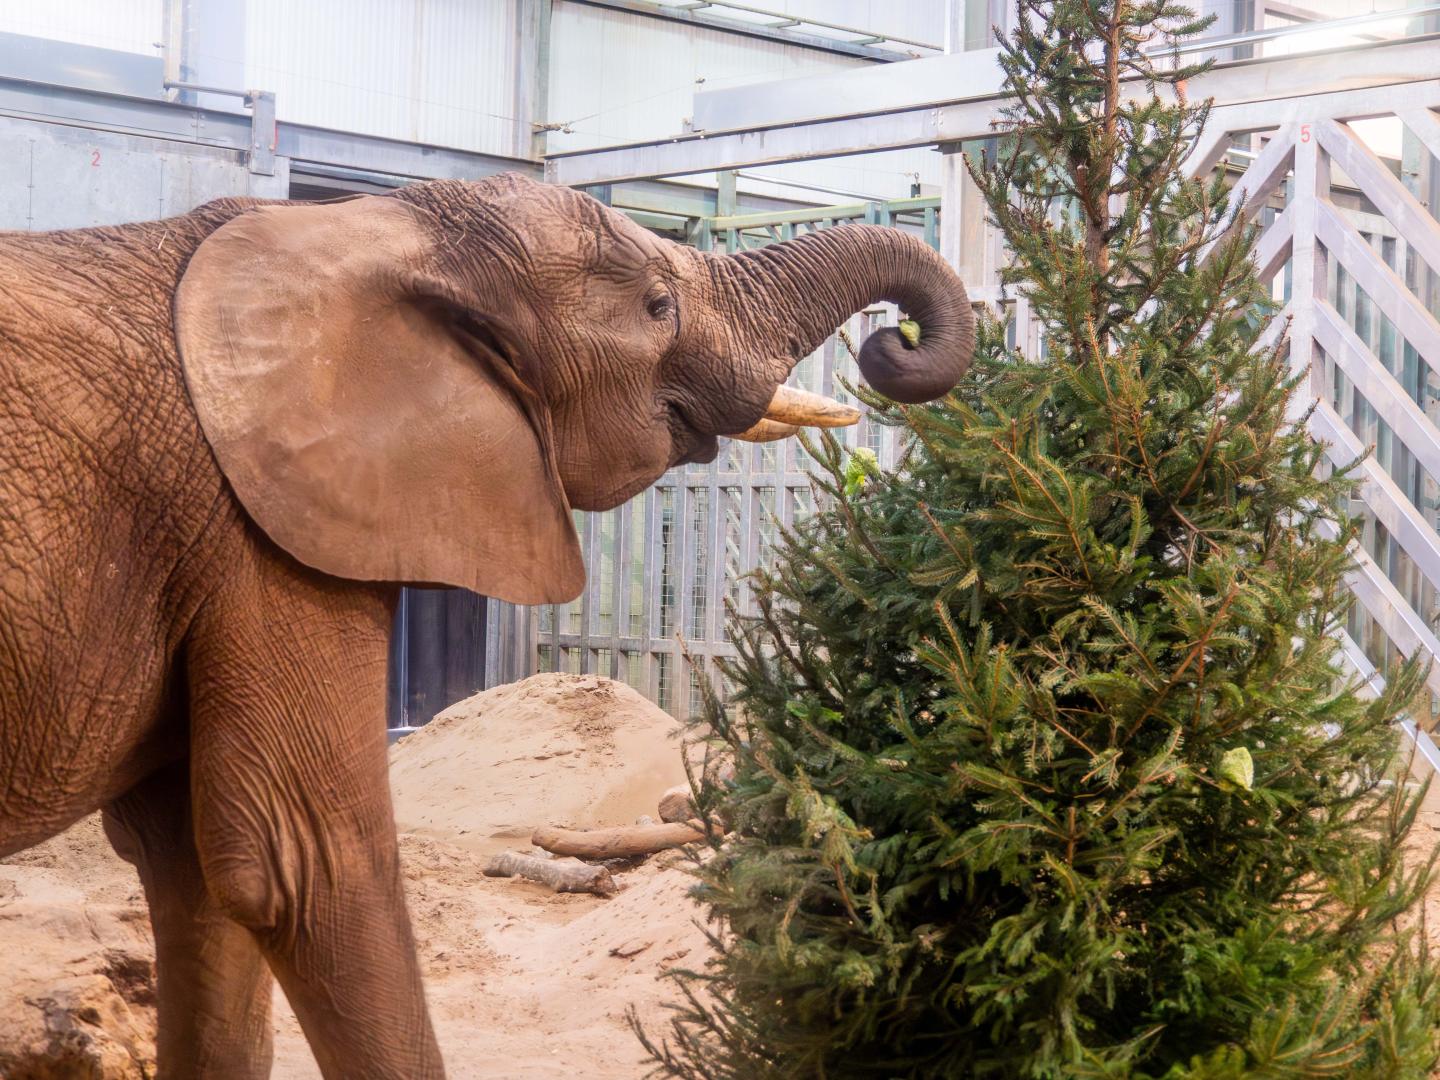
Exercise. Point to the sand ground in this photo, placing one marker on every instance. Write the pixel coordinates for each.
(522, 982)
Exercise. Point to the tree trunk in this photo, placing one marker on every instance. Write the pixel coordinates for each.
(617, 843)
(561, 875)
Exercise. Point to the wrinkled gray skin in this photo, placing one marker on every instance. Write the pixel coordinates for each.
(162, 659)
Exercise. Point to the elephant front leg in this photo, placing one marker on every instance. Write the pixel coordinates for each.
(293, 817)
(213, 983)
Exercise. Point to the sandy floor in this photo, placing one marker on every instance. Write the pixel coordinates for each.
(522, 982)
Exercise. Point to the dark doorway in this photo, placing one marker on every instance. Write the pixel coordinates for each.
(437, 653)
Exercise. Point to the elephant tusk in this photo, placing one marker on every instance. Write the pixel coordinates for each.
(800, 408)
(766, 431)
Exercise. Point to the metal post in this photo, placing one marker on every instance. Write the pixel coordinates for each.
(955, 26)
(175, 32)
(532, 77)
(262, 131)
(952, 205)
(1312, 184)
(725, 200)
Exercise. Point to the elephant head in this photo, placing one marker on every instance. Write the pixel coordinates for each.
(419, 387)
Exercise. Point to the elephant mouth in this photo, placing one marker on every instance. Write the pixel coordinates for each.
(688, 442)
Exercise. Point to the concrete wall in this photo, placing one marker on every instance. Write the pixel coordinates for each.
(56, 177)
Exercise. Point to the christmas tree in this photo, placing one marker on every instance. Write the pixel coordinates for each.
(1045, 761)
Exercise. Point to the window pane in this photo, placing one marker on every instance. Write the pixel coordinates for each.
(663, 695)
(632, 668)
(669, 559)
(638, 539)
(801, 504)
(698, 542)
(697, 688)
(732, 497)
(605, 605)
(765, 533)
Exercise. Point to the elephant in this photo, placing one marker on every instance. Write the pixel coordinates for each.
(228, 439)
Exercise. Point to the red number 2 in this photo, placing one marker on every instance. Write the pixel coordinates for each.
(94, 158)
(1304, 132)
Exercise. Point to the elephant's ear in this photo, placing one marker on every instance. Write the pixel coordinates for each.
(372, 428)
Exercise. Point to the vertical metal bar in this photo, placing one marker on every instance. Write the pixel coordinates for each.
(532, 77)
(174, 37)
(262, 131)
(588, 603)
(954, 26)
(623, 545)
(495, 641)
(1312, 183)
(726, 200)
(715, 614)
(404, 661)
(703, 236)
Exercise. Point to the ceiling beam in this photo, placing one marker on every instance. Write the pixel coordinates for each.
(786, 34)
(1239, 83)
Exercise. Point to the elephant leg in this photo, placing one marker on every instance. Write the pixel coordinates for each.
(213, 982)
(293, 816)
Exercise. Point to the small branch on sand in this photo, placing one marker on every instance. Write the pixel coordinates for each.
(561, 875)
(617, 843)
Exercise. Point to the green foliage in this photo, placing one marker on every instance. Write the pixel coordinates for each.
(1046, 766)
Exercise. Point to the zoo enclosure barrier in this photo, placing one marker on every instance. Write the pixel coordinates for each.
(1349, 240)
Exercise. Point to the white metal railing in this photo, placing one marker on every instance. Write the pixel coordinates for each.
(1346, 231)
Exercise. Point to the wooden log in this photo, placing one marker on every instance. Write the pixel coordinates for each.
(619, 842)
(677, 805)
(561, 875)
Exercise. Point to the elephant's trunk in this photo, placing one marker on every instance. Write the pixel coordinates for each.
(814, 283)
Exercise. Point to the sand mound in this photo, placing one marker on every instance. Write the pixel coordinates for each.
(573, 750)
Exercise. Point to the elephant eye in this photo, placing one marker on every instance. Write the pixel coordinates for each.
(660, 307)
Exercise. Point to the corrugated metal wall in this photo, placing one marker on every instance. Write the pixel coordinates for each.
(433, 71)
(447, 71)
(617, 78)
(128, 25)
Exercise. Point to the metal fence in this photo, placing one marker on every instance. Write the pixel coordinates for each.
(1351, 243)
(663, 566)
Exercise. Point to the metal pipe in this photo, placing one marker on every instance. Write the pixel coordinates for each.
(196, 88)
(807, 187)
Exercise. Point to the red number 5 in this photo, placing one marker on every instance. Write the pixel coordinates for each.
(1304, 132)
